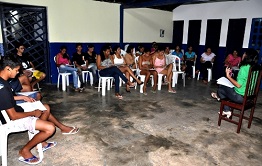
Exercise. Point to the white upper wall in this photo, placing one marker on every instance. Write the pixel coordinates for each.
(79, 20)
(92, 21)
(143, 25)
(219, 10)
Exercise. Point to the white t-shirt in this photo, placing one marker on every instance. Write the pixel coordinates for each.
(208, 57)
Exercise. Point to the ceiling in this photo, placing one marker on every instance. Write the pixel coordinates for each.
(167, 5)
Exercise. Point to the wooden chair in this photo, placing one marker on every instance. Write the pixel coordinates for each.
(249, 101)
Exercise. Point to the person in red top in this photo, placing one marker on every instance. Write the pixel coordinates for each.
(232, 61)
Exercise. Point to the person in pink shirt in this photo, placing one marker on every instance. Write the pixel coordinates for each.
(232, 61)
(63, 62)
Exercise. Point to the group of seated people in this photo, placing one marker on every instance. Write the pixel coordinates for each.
(151, 62)
(109, 63)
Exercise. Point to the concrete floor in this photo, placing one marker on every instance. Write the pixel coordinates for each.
(159, 129)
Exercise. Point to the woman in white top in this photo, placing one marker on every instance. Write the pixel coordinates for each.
(120, 62)
(207, 58)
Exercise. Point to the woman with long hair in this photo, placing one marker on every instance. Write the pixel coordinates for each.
(235, 94)
(108, 69)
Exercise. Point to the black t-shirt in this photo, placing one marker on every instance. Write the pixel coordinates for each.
(7, 99)
(25, 60)
(91, 58)
(79, 58)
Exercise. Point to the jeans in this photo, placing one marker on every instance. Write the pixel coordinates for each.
(113, 72)
(224, 92)
(73, 71)
(92, 67)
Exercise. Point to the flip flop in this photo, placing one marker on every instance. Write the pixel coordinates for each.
(28, 160)
(120, 97)
(171, 91)
(214, 95)
(73, 131)
(49, 146)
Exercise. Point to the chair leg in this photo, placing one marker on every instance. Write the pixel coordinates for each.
(184, 79)
(209, 75)
(91, 78)
(142, 78)
(198, 75)
(220, 114)
(108, 83)
(58, 79)
(174, 80)
(159, 81)
(99, 84)
(240, 121)
(103, 87)
(194, 71)
(3, 147)
(251, 117)
(64, 82)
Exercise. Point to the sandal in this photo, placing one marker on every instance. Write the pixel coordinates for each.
(119, 96)
(171, 91)
(214, 96)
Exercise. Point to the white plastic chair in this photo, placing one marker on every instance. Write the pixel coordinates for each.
(209, 74)
(177, 71)
(64, 76)
(141, 77)
(104, 81)
(194, 68)
(5, 130)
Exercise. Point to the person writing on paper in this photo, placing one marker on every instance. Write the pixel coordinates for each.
(9, 68)
(250, 58)
(63, 62)
(107, 69)
(34, 120)
(232, 61)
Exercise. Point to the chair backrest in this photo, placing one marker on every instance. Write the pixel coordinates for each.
(176, 63)
(6, 117)
(137, 65)
(253, 84)
(57, 68)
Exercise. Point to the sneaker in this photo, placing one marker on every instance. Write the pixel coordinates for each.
(227, 113)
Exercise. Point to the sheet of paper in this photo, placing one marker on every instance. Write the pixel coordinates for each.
(224, 81)
(31, 106)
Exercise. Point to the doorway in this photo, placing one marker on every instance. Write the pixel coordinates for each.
(26, 25)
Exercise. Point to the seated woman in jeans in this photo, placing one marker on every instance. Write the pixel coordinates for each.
(250, 58)
(107, 69)
(63, 62)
